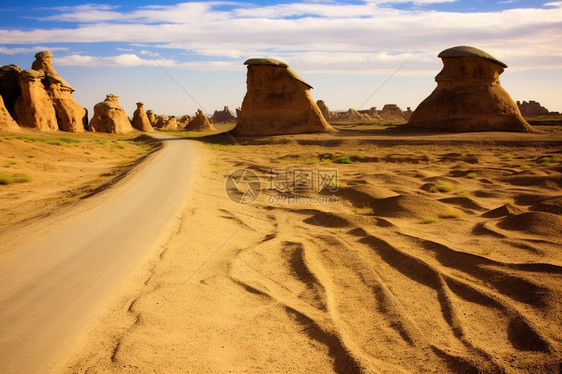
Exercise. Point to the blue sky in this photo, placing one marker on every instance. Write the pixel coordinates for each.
(155, 51)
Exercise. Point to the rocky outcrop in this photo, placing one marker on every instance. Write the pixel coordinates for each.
(277, 101)
(10, 88)
(6, 120)
(140, 119)
(184, 121)
(171, 124)
(34, 95)
(71, 116)
(34, 108)
(469, 96)
(200, 123)
(151, 117)
(392, 112)
(223, 116)
(110, 117)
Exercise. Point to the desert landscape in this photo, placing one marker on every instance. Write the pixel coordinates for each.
(286, 239)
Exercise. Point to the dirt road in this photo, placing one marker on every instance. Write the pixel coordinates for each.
(57, 274)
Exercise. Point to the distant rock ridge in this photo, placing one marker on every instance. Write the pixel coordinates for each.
(533, 108)
(468, 96)
(277, 102)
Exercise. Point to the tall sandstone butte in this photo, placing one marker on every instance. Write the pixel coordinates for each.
(140, 119)
(6, 120)
(469, 96)
(110, 117)
(277, 102)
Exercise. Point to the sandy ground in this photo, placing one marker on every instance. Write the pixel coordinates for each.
(58, 272)
(61, 168)
(430, 254)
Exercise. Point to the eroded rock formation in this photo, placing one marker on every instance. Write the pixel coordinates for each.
(392, 112)
(151, 117)
(40, 98)
(6, 120)
(469, 96)
(110, 117)
(200, 123)
(223, 116)
(10, 86)
(140, 119)
(324, 110)
(34, 108)
(277, 101)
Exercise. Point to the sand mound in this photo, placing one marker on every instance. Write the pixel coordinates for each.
(409, 206)
(553, 205)
(502, 211)
(537, 223)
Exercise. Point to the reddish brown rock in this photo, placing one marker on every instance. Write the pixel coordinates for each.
(170, 124)
(223, 116)
(200, 123)
(469, 96)
(184, 121)
(34, 108)
(277, 101)
(140, 119)
(6, 120)
(110, 117)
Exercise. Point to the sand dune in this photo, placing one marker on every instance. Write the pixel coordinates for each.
(435, 258)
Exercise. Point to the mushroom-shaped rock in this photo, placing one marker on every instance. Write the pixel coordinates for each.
(223, 116)
(140, 119)
(34, 107)
(110, 117)
(200, 123)
(6, 120)
(468, 96)
(277, 101)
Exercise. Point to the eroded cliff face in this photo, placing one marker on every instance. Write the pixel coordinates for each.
(277, 101)
(469, 96)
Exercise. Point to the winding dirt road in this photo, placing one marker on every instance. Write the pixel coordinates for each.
(57, 274)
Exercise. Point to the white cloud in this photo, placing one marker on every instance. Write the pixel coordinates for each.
(122, 60)
(316, 36)
(13, 51)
